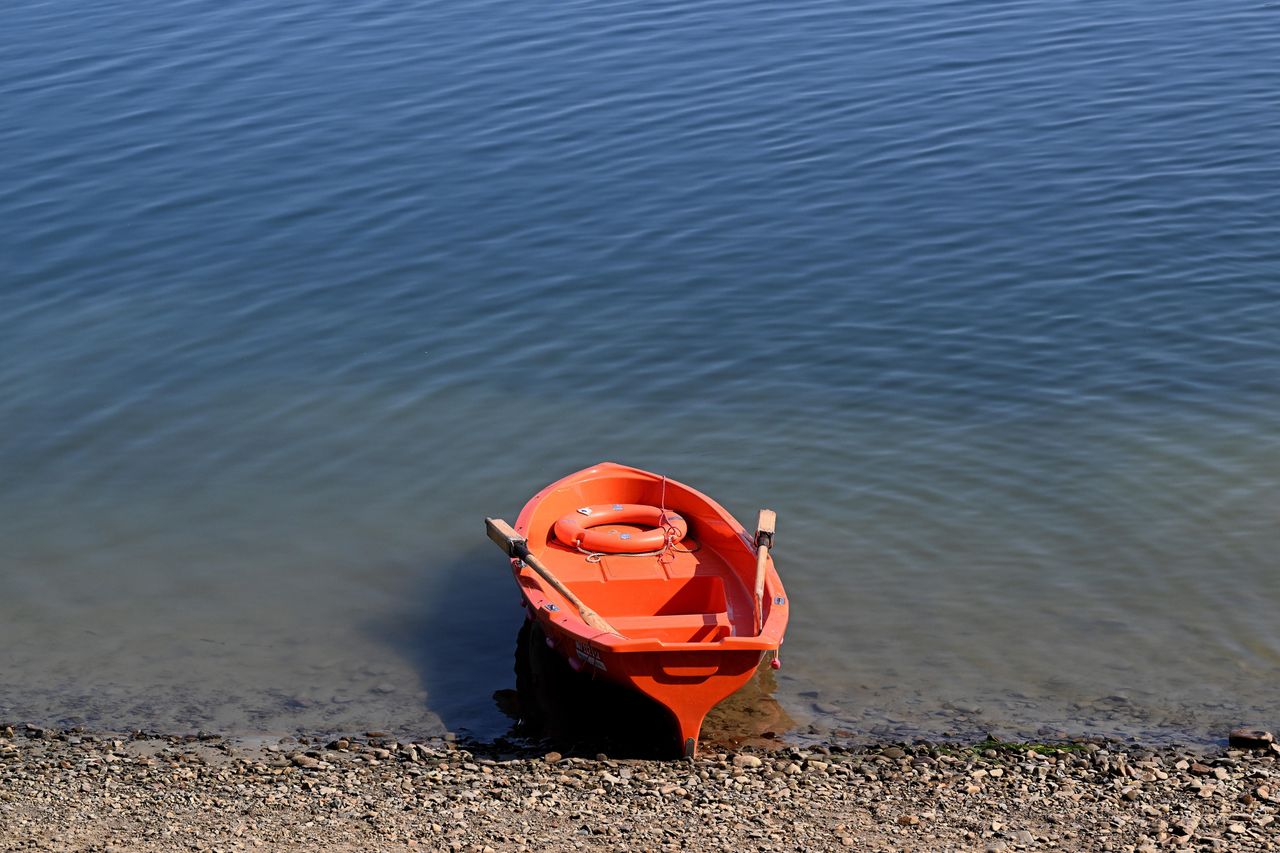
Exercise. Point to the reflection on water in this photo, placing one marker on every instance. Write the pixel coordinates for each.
(584, 715)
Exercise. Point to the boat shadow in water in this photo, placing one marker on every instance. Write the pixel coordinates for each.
(458, 641)
(581, 715)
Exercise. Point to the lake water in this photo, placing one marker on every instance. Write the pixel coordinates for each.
(984, 300)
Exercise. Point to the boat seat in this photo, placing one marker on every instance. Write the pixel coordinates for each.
(676, 628)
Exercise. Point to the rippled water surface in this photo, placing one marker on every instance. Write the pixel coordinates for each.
(984, 300)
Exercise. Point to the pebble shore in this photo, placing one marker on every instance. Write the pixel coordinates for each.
(80, 791)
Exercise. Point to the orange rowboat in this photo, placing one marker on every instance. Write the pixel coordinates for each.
(649, 583)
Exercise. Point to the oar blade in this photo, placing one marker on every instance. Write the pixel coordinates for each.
(596, 621)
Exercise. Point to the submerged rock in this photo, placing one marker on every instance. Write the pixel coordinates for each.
(1247, 738)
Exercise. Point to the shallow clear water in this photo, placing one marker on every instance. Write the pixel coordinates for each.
(985, 302)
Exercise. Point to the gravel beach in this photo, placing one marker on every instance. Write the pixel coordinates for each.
(75, 790)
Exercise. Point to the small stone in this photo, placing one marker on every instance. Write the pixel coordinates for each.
(1130, 793)
(552, 757)
(304, 761)
(1024, 837)
(375, 734)
(894, 752)
(908, 820)
(746, 762)
(1247, 738)
(996, 772)
(1263, 792)
(1201, 769)
(1237, 828)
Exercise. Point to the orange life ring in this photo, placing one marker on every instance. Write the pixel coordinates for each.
(577, 528)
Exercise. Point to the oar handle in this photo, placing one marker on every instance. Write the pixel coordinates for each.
(765, 526)
(506, 538)
(517, 546)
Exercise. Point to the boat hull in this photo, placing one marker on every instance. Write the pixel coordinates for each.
(687, 684)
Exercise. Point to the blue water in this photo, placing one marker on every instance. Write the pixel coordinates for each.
(983, 300)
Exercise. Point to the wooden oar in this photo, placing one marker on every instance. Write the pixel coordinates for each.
(515, 545)
(764, 541)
